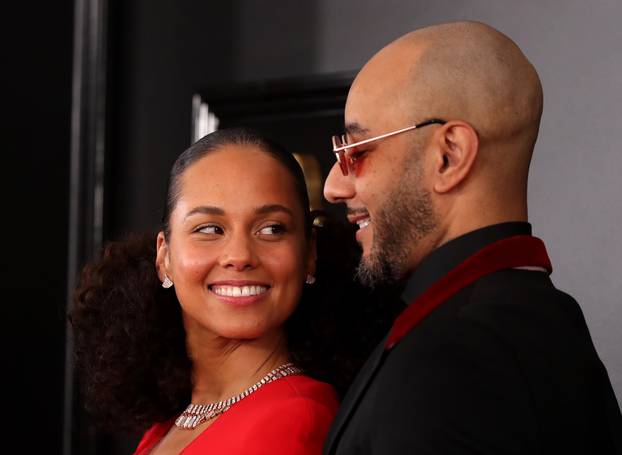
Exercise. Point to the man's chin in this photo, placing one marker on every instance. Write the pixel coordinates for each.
(376, 271)
(365, 255)
(365, 276)
(370, 272)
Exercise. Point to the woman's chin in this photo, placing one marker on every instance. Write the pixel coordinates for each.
(243, 333)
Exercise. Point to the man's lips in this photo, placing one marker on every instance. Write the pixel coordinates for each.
(359, 217)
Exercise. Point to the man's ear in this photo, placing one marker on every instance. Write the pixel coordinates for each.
(162, 256)
(456, 147)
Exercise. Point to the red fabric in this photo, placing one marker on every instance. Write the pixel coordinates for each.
(517, 251)
(288, 416)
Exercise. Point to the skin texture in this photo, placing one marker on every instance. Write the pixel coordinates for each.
(257, 234)
(441, 181)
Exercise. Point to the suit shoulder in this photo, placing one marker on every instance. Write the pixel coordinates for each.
(521, 302)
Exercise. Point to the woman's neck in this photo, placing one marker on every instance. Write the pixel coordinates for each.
(222, 368)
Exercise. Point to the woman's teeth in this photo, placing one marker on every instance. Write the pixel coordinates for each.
(239, 291)
(363, 223)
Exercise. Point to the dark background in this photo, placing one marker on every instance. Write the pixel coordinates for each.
(36, 60)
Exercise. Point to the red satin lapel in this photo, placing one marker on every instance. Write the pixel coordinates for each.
(517, 251)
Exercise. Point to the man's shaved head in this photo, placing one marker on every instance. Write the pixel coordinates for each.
(462, 70)
(471, 71)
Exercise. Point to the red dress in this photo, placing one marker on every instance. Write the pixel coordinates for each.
(288, 416)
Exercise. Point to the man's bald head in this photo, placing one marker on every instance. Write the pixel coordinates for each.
(464, 70)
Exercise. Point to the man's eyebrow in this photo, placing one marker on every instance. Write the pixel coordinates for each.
(270, 208)
(205, 210)
(355, 129)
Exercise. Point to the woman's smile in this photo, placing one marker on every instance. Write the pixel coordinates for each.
(239, 293)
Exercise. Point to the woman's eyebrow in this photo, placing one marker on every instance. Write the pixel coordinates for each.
(212, 210)
(270, 208)
(205, 210)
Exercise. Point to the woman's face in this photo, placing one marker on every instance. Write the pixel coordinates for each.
(237, 252)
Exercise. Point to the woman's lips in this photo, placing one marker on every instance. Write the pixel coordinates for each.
(239, 293)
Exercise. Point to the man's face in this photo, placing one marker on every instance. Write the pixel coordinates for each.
(386, 192)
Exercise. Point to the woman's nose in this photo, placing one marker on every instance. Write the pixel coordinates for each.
(239, 254)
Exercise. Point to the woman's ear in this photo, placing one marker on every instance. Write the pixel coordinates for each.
(456, 147)
(162, 257)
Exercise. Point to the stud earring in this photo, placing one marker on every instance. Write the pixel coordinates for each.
(167, 283)
(310, 279)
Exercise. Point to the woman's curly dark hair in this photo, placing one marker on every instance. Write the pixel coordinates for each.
(129, 339)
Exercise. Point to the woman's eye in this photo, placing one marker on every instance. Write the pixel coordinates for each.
(273, 229)
(210, 229)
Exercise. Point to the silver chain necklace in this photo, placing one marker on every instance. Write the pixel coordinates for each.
(196, 414)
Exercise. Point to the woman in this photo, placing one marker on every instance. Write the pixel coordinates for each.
(232, 370)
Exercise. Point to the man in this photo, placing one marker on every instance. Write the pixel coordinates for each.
(488, 357)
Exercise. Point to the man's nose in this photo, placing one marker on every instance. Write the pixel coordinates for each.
(239, 254)
(338, 187)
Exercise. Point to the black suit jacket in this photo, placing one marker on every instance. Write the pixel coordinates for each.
(505, 366)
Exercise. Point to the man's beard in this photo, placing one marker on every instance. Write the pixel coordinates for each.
(406, 217)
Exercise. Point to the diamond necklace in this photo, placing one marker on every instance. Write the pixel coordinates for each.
(196, 414)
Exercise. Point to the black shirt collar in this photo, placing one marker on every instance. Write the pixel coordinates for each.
(440, 261)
